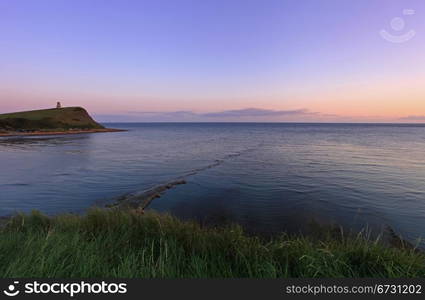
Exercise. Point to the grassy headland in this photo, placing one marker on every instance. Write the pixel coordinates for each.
(125, 243)
(62, 118)
(49, 121)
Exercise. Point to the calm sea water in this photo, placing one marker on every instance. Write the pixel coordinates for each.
(267, 177)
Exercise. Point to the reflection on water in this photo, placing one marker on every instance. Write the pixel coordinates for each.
(23, 143)
(268, 177)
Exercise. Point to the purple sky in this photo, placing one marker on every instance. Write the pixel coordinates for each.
(240, 60)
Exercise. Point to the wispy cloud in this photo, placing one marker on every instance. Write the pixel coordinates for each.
(180, 113)
(256, 112)
(246, 114)
(413, 118)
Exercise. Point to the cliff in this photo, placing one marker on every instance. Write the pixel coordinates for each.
(75, 118)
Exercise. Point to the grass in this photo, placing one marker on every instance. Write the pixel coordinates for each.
(64, 118)
(117, 243)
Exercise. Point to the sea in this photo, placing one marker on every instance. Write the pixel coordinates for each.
(267, 177)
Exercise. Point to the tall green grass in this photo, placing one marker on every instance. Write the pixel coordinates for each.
(116, 243)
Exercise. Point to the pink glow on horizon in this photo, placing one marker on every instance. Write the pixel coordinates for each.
(214, 56)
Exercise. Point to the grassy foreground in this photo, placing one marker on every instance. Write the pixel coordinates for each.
(116, 243)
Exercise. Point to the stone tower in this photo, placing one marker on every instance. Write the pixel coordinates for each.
(58, 105)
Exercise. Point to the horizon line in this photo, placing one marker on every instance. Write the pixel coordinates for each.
(265, 122)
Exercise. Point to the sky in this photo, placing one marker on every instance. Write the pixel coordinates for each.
(216, 60)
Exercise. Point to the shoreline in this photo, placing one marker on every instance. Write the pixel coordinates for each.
(68, 132)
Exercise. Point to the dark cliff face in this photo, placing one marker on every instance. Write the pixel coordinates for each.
(49, 119)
